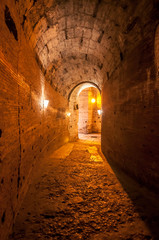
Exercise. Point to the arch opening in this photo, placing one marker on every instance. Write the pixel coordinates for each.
(85, 112)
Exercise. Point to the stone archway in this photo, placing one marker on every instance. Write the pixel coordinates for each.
(74, 107)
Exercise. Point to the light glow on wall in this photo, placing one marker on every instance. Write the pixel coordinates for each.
(68, 114)
(84, 86)
(99, 101)
(93, 100)
(46, 102)
(99, 111)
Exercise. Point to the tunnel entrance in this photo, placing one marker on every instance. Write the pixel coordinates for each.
(89, 118)
(85, 112)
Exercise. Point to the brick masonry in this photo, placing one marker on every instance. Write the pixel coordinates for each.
(26, 128)
(130, 132)
(49, 47)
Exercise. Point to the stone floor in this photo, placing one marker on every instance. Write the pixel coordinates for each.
(90, 138)
(76, 195)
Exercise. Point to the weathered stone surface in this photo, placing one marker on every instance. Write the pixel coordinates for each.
(52, 46)
(75, 195)
(26, 127)
(130, 132)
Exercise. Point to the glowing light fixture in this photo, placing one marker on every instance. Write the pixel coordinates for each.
(99, 111)
(46, 102)
(68, 114)
(93, 100)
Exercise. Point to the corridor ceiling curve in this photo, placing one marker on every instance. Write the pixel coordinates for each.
(78, 40)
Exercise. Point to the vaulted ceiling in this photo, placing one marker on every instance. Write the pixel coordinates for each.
(79, 40)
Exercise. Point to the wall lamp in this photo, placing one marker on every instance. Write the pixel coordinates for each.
(45, 103)
(99, 111)
(93, 100)
(68, 114)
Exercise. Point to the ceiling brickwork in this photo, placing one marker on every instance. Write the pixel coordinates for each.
(79, 40)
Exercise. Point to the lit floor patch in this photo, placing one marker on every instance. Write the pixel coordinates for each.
(93, 150)
(96, 158)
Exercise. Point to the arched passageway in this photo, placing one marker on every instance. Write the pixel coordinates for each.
(48, 50)
(84, 115)
(89, 111)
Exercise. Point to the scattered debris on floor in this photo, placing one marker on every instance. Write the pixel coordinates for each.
(75, 195)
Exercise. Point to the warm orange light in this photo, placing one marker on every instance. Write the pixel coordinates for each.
(99, 111)
(93, 100)
(99, 101)
(46, 102)
(68, 114)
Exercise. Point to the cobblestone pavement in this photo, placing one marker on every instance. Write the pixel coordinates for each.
(75, 195)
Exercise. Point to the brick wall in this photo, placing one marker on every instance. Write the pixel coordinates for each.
(130, 132)
(26, 128)
(94, 41)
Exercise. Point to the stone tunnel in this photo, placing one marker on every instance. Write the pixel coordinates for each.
(50, 52)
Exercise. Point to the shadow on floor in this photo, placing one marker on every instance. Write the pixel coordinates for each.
(145, 201)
